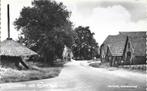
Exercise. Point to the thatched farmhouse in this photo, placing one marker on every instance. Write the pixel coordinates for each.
(11, 53)
(124, 48)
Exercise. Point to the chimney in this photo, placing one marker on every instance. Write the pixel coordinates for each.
(8, 16)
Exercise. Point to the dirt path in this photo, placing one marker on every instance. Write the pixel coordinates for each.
(77, 76)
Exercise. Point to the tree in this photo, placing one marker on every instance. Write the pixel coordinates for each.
(85, 46)
(45, 28)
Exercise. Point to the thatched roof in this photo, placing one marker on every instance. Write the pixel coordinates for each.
(133, 34)
(116, 44)
(138, 41)
(12, 48)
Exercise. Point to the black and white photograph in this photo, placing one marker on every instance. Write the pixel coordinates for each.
(73, 45)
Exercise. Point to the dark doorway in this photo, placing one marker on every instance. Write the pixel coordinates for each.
(129, 56)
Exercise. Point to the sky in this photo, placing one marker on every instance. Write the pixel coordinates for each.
(104, 17)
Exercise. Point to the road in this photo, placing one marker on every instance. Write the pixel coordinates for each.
(78, 76)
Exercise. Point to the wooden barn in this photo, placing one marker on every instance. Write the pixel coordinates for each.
(125, 48)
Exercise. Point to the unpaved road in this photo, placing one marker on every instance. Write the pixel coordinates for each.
(78, 76)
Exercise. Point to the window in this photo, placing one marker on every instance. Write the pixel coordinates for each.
(129, 54)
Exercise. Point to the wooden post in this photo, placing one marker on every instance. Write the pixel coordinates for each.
(8, 16)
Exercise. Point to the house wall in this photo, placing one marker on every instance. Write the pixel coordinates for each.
(118, 60)
(115, 60)
(129, 48)
(108, 57)
(139, 60)
(103, 51)
(134, 59)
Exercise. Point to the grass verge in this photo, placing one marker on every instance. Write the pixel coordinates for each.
(136, 68)
(99, 65)
(12, 75)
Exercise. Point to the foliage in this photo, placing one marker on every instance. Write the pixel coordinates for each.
(45, 28)
(85, 46)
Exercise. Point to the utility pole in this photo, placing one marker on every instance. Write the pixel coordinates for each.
(8, 18)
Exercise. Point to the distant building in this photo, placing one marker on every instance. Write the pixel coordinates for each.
(125, 48)
(67, 54)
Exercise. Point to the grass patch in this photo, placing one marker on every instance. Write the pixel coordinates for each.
(13, 75)
(141, 68)
(136, 68)
(99, 65)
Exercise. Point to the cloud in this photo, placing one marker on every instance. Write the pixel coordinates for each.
(116, 13)
(104, 20)
(133, 26)
(104, 17)
(137, 8)
(111, 20)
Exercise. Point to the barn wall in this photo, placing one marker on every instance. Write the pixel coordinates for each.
(108, 55)
(119, 60)
(139, 60)
(8, 62)
(128, 49)
(134, 59)
(102, 53)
